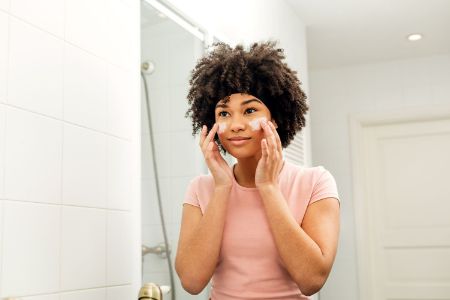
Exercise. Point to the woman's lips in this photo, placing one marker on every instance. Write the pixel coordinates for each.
(239, 142)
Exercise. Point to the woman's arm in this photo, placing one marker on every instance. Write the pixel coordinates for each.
(307, 251)
(200, 241)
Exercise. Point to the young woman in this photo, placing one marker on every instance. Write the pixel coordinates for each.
(257, 229)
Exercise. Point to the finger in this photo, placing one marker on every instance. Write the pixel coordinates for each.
(264, 148)
(277, 136)
(209, 136)
(202, 135)
(270, 139)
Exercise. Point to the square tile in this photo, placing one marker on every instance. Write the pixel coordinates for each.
(31, 246)
(120, 176)
(45, 14)
(120, 293)
(122, 97)
(83, 252)
(95, 294)
(2, 149)
(84, 88)
(86, 25)
(84, 167)
(44, 69)
(4, 42)
(32, 157)
(119, 248)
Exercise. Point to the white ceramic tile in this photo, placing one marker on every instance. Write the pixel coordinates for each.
(84, 167)
(181, 62)
(4, 37)
(122, 97)
(159, 100)
(43, 297)
(183, 148)
(150, 207)
(178, 108)
(152, 236)
(45, 14)
(120, 178)
(155, 49)
(86, 25)
(174, 204)
(83, 259)
(4, 4)
(94, 294)
(84, 88)
(38, 68)
(122, 30)
(120, 293)
(119, 248)
(2, 149)
(1, 243)
(32, 157)
(31, 245)
(162, 150)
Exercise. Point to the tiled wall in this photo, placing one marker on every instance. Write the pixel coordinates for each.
(174, 52)
(69, 156)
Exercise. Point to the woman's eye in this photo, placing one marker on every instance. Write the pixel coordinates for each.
(220, 113)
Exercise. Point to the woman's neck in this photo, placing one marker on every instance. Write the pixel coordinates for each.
(244, 172)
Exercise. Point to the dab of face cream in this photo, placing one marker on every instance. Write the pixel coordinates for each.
(222, 127)
(256, 123)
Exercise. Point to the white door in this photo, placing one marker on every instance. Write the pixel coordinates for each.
(406, 195)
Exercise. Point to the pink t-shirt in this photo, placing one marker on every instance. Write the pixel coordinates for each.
(249, 265)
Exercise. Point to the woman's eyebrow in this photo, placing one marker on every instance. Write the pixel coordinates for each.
(242, 104)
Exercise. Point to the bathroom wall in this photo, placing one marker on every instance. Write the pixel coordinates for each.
(373, 87)
(174, 52)
(69, 149)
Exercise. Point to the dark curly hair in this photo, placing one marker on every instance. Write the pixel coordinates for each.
(260, 72)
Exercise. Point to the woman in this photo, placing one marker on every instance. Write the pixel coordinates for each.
(257, 229)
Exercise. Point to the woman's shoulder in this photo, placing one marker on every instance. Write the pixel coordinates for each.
(202, 180)
(308, 171)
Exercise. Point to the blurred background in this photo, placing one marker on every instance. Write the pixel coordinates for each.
(96, 154)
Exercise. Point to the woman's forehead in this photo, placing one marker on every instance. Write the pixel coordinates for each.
(241, 99)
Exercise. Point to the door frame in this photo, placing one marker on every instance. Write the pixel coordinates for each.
(358, 122)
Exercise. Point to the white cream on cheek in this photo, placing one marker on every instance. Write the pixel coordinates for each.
(222, 127)
(256, 123)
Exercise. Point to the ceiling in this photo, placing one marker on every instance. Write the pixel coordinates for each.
(347, 32)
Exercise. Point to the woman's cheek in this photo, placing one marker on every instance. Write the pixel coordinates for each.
(256, 123)
(222, 127)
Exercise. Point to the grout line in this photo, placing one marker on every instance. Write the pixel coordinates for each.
(66, 122)
(63, 38)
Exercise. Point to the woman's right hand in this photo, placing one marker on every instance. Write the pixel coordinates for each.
(220, 170)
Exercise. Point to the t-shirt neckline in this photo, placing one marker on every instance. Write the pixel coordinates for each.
(253, 189)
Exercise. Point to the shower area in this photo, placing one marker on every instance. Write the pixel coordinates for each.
(170, 48)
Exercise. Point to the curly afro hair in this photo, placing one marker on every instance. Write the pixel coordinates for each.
(260, 72)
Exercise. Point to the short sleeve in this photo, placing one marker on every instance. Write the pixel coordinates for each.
(191, 195)
(325, 187)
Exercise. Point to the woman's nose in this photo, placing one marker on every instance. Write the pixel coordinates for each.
(238, 124)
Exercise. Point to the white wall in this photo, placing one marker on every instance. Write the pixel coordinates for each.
(69, 155)
(336, 93)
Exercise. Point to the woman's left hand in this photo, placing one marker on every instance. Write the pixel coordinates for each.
(271, 161)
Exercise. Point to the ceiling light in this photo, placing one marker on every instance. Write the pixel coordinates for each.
(414, 37)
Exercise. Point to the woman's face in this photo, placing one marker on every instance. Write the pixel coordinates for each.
(241, 116)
